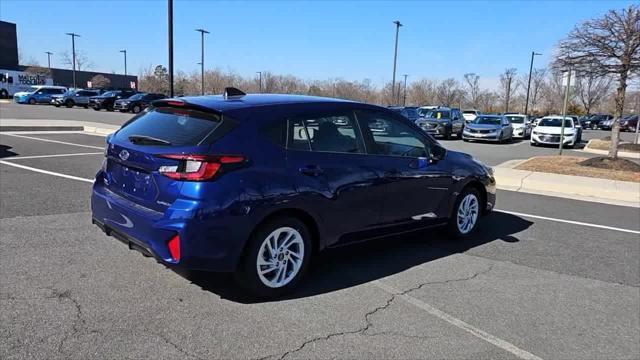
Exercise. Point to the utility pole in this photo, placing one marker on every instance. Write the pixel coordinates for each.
(125, 61)
(404, 98)
(395, 59)
(638, 116)
(260, 80)
(49, 53)
(506, 110)
(526, 103)
(202, 32)
(73, 51)
(170, 36)
(564, 110)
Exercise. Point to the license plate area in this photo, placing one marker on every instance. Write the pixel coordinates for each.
(131, 181)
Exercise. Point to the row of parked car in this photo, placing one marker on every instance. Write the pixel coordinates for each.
(472, 125)
(123, 100)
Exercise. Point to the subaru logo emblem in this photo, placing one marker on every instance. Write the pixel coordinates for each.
(124, 155)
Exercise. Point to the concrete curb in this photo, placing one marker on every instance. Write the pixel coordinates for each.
(574, 187)
(624, 154)
(56, 125)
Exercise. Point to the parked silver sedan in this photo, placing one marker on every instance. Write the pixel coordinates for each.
(495, 128)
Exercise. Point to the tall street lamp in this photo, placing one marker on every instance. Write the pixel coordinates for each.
(404, 98)
(49, 53)
(170, 38)
(526, 103)
(202, 32)
(395, 59)
(73, 56)
(125, 61)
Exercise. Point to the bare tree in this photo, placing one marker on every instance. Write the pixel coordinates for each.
(422, 92)
(508, 86)
(592, 90)
(609, 45)
(448, 92)
(82, 60)
(38, 70)
(472, 82)
(100, 82)
(537, 83)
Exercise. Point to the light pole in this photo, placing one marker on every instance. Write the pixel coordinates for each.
(73, 55)
(404, 98)
(526, 103)
(49, 53)
(202, 32)
(125, 61)
(260, 80)
(170, 38)
(564, 110)
(395, 59)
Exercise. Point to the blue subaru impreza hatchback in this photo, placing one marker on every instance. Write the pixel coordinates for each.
(256, 184)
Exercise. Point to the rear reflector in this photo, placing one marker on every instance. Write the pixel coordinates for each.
(174, 247)
(197, 167)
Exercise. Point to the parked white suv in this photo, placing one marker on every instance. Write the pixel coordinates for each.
(470, 115)
(548, 132)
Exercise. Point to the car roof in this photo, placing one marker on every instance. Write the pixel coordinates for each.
(221, 104)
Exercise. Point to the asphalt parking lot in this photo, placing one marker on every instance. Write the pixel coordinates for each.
(560, 287)
(544, 278)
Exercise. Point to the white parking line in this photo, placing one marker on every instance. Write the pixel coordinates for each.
(569, 221)
(54, 141)
(46, 172)
(51, 156)
(503, 344)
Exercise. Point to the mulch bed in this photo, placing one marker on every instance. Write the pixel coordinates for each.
(604, 144)
(598, 167)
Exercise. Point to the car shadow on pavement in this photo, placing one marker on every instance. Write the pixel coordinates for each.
(6, 152)
(345, 267)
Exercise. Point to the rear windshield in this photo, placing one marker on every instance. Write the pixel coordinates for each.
(177, 127)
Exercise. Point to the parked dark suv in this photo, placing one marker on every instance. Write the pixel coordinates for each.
(137, 102)
(256, 184)
(108, 99)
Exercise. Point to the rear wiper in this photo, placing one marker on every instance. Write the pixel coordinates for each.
(147, 140)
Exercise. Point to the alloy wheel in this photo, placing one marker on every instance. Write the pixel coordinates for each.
(467, 213)
(280, 257)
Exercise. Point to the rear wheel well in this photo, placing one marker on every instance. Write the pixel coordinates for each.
(477, 185)
(301, 215)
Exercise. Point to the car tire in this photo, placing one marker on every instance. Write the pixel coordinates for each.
(123, 110)
(275, 283)
(533, 143)
(4, 94)
(109, 107)
(465, 140)
(69, 103)
(136, 109)
(86, 106)
(447, 134)
(32, 101)
(465, 214)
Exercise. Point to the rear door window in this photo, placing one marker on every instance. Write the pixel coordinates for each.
(170, 126)
(336, 133)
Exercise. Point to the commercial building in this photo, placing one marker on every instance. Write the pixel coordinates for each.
(64, 77)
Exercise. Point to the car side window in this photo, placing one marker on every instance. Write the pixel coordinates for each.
(391, 136)
(337, 133)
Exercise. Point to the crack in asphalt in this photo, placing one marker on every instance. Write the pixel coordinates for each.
(178, 348)
(79, 318)
(368, 324)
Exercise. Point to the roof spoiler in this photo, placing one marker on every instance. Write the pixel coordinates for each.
(231, 93)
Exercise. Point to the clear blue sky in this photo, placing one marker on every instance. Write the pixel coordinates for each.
(314, 40)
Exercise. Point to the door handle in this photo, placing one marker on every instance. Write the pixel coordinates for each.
(312, 170)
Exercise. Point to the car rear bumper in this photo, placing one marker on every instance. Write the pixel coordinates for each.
(210, 243)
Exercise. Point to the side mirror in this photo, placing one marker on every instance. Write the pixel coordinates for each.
(437, 153)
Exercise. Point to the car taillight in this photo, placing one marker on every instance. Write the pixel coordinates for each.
(174, 247)
(198, 167)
